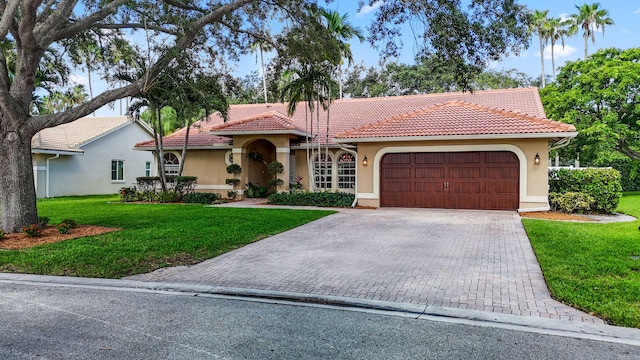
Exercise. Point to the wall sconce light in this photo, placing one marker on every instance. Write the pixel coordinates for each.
(536, 159)
(365, 162)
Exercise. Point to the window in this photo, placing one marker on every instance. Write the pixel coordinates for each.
(171, 164)
(147, 169)
(228, 157)
(322, 171)
(346, 172)
(117, 170)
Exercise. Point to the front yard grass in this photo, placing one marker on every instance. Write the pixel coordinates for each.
(593, 267)
(153, 236)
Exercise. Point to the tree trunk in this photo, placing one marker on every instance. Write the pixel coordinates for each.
(586, 47)
(553, 62)
(542, 60)
(187, 123)
(264, 76)
(17, 187)
(306, 129)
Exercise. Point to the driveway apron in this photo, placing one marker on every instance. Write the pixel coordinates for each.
(479, 260)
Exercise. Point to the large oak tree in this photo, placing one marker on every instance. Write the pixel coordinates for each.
(32, 29)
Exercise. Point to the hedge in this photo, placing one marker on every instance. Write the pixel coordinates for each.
(629, 172)
(317, 198)
(601, 185)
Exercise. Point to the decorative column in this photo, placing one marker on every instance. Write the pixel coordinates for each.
(282, 156)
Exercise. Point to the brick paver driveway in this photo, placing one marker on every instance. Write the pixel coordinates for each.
(480, 260)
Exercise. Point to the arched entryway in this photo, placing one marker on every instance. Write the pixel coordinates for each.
(259, 154)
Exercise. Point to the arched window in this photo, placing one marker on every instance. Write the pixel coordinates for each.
(171, 164)
(322, 171)
(346, 172)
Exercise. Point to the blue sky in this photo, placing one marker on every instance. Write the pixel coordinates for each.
(624, 34)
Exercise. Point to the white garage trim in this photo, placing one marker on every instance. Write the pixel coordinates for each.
(523, 197)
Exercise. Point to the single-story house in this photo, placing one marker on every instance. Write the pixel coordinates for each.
(92, 155)
(481, 150)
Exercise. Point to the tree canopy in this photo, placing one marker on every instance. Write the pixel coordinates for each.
(465, 35)
(601, 97)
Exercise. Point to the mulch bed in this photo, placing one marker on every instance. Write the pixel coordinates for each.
(550, 215)
(50, 234)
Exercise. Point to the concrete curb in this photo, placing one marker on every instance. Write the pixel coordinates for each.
(523, 323)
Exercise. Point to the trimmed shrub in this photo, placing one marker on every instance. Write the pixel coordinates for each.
(602, 185)
(570, 202)
(629, 172)
(63, 228)
(255, 191)
(43, 221)
(72, 223)
(33, 230)
(201, 198)
(308, 198)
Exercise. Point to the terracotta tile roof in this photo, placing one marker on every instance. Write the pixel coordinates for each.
(199, 137)
(349, 114)
(267, 121)
(72, 136)
(457, 118)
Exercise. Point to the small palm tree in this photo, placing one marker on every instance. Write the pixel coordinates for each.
(589, 18)
(556, 29)
(539, 26)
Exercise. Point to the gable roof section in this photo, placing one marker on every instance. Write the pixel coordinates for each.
(71, 137)
(458, 119)
(270, 122)
(199, 138)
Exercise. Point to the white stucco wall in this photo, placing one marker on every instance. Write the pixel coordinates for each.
(90, 173)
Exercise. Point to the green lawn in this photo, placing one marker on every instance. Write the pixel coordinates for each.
(154, 236)
(593, 267)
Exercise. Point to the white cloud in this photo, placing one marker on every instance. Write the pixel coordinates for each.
(79, 79)
(564, 16)
(558, 51)
(637, 11)
(366, 9)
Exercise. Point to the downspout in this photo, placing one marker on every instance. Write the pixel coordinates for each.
(560, 143)
(355, 194)
(47, 177)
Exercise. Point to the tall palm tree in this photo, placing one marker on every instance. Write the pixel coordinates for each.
(304, 84)
(589, 18)
(556, 29)
(539, 26)
(342, 31)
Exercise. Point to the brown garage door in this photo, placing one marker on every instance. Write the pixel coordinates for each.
(461, 180)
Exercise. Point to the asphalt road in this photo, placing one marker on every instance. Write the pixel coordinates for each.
(72, 322)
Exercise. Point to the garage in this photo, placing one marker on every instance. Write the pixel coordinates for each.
(487, 180)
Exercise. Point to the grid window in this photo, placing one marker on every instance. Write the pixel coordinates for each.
(147, 169)
(171, 164)
(322, 171)
(347, 171)
(117, 170)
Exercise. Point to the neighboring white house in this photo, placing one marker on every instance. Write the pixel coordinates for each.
(92, 155)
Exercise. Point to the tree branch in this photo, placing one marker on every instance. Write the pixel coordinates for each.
(44, 28)
(185, 6)
(138, 26)
(7, 20)
(247, 32)
(82, 24)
